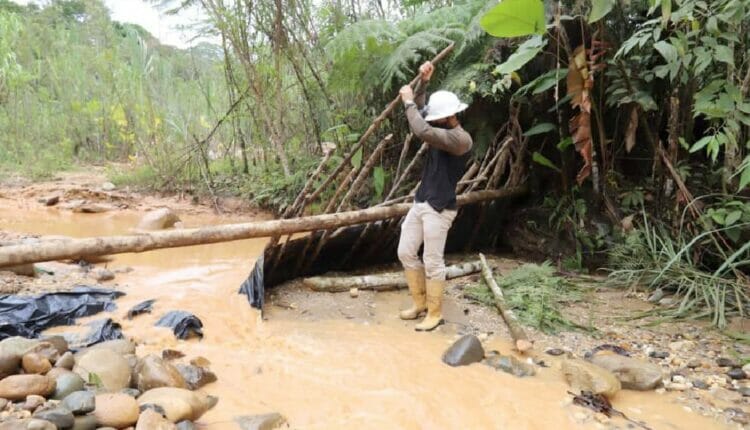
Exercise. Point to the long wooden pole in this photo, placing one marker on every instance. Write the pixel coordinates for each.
(516, 331)
(78, 248)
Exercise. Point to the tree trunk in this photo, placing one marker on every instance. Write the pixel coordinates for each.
(516, 331)
(77, 248)
(380, 281)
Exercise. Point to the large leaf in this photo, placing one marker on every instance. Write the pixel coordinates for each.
(528, 50)
(378, 180)
(600, 9)
(514, 18)
(542, 128)
(544, 161)
(668, 51)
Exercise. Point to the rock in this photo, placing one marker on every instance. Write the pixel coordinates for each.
(555, 352)
(726, 362)
(156, 408)
(150, 420)
(66, 361)
(122, 347)
(158, 219)
(101, 274)
(699, 384)
(17, 345)
(186, 425)
(132, 392)
(171, 354)
(725, 395)
(10, 364)
(659, 354)
(694, 364)
(668, 301)
(200, 362)
(260, 422)
(46, 350)
(108, 186)
(50, 200)
(676, 386)
(39, 424)
(79, 402)
(178, 403)
(746, 368)
(60, 417)
(111, 368)
(153, 372)
(196, 377)
(59, 342)
(736, 373)
(657, 295)
(354, 293)
(464, 351)
(510, 364)
(85, 422)
(632, 373)
(13, 424)
(32, 402)
(737, 415)
(66, 384)
(116, 410)
(745, 391)
(35, 363)
(22, 270)
(92, 208)
(17, 387)
(682, 345)
(584, 376)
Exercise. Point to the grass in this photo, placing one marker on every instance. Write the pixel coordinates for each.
(536, 294)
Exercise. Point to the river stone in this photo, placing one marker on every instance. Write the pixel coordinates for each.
(67, 383)
(153, 372)
(156, 408)
(59, 342)
(10, 364)
(111, 368)
(79, 402)
(178, 403)
(726, 362)
(39, 424)
(158, 219)
(85, 422)
(464, 351)
(186, 425)
(120, 346)
(32, 402)
(151, 420)
(17, 387)
(736, 373)
(66, 361)
(584, 376)
(45, 349)
(101, 274)
(17, 345)
(116, 410)
(260, 422)
(35, 363)
(59, 416)
(510, 364)
(196, 377)
(633, 374)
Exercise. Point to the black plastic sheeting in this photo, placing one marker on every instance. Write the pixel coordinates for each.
(183, 324)
(99, 331)
(28, 316)
(144, 307)
(476, 227)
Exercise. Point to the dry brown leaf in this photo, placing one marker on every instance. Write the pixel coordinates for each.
(632, 128)
(580, 82)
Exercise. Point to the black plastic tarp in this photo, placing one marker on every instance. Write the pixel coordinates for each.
(183, 324)
(28, 316)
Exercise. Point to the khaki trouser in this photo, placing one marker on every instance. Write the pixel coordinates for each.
(425, 224)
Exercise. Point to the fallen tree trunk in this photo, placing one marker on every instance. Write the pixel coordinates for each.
(81, 248)
(380, 281)
(517, 332)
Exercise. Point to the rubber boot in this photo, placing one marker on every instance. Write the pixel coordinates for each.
(415, 281)
(434, 316)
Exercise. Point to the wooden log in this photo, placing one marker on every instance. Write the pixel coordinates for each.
(57, 250)
(381, 281)
(517, 332)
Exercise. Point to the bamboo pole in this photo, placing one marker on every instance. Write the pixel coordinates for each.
(48, 250)
(517, 332)
(381, 281)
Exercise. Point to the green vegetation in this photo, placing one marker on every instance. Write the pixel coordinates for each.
(536, 294)
(615, 109)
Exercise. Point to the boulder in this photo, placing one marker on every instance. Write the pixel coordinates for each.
(111, 368)
(79, 402)
(158, 219)
(179, 404)
(116, 410)
(153, 372)
(585, 376)
(464, 351)
(35, 363)
(260, 422)
(17, 387)
(633, 374)
(151, 420)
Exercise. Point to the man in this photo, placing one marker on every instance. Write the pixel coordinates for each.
(434, 207)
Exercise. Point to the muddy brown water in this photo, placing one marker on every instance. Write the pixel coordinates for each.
(325, 373)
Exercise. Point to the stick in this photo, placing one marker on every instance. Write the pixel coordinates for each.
(381, 281)
(516, 331)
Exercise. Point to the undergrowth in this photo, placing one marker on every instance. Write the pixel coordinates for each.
(536, 294)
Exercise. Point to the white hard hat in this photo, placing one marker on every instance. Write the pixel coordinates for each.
(442, 105)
